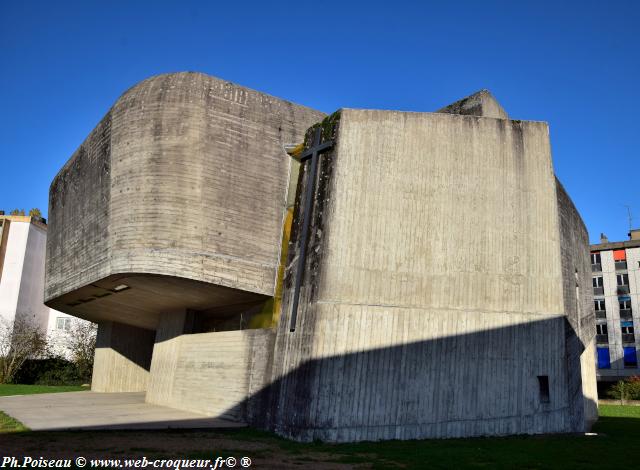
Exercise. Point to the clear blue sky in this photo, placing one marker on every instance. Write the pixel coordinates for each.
(572, 64)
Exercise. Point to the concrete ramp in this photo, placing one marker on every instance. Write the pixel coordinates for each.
(102, 411)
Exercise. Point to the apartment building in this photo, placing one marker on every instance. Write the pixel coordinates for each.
(22, 257)
(615, 268)
(22, 249)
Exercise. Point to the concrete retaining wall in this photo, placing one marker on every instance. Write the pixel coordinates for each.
(122, 358)
(212, 373)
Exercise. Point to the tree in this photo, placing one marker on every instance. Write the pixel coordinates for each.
(19, 340)
(35, 212)
(82, 345)
(17, 212)
(628, 389)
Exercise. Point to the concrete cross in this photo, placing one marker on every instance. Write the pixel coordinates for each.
(312, 153)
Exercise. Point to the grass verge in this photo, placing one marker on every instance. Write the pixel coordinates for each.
(8, 424)
(18, 389)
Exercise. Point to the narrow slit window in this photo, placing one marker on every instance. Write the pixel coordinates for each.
(543, 382)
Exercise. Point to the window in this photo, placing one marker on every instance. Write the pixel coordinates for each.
(625, 303)
(543, 384)
(63, 323)
(604, 362)
(626, 327)
(599, 305)
(598, 288)
(595, 258)
(601, 329)
(630, 357)
(623, 279)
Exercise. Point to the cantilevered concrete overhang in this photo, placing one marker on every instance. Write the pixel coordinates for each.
(178, 195)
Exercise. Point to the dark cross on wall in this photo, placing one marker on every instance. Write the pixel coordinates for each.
(312, 153)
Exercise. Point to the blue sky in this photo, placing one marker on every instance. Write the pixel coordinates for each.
(572, 64)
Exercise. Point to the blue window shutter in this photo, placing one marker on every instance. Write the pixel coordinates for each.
(603, 358)
(630, 356)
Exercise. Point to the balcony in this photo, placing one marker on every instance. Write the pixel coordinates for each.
(597, 267)
(621, 265)
(602, 339)
(622, 290)
(628, 338)
(626, 313)
(598, 291)
(601, 314)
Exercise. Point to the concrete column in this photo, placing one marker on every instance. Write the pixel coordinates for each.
(165, 354)
(589, 385)
(122, 358)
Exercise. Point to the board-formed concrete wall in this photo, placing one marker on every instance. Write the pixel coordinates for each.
(122, 358)
(578, 305)
(481, 104)
(217, 374)
(436, 300)
(185, 177)
(432, 297)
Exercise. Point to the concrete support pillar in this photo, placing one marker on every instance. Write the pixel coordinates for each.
(165, 355)
(122, 358)
(589, 385)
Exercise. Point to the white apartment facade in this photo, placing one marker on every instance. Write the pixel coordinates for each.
(22, 258)
(616, 290)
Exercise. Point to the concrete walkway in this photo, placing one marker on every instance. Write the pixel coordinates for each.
(91, 410)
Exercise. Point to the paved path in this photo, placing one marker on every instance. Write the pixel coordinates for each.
(91, 410)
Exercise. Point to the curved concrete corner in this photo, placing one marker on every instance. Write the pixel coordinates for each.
(178, 194)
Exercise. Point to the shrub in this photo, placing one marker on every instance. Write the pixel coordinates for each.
(20, 340)
(628, 389)
(50, 371)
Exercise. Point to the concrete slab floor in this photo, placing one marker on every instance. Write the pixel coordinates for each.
(102, 411)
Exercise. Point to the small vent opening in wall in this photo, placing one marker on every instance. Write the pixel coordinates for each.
(543, 383)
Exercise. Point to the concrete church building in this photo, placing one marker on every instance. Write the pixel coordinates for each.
(364, 276)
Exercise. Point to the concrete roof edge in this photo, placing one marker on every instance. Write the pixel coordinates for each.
(71, 158)
(615, 245)
(445, 114)
(191, 72)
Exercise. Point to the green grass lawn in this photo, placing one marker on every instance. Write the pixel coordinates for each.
(8, 424)
(615, 446)
(11, 389)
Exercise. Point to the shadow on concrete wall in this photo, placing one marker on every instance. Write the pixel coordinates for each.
(480, 383)
(133, 343)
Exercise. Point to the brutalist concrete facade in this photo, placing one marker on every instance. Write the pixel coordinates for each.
(184, 178)
(440, 294)
(175, 201)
